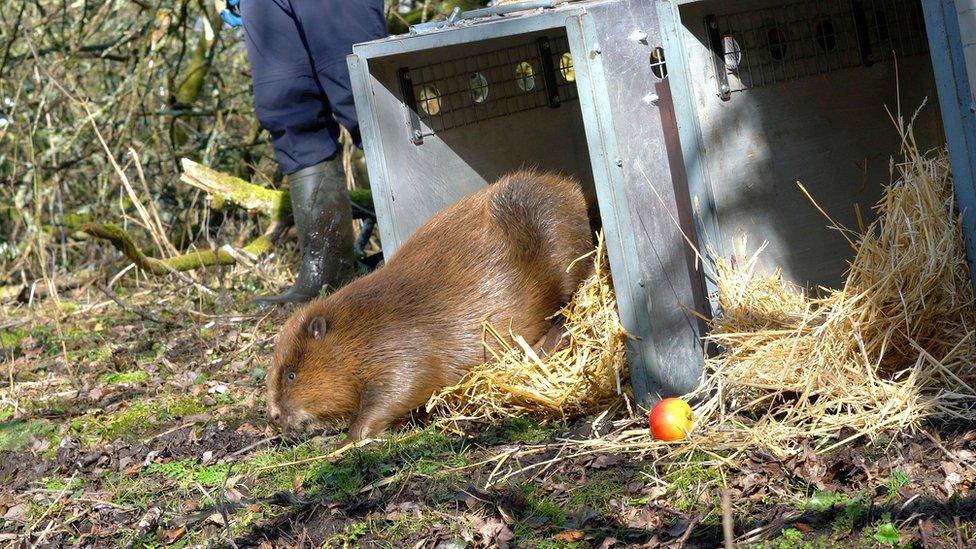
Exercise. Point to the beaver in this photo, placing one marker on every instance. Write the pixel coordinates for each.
(380, 346)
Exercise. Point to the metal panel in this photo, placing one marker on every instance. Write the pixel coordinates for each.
(644, 206)
(363, 86)
(958, 111)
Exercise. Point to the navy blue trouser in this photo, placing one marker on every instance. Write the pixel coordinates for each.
(297, 50)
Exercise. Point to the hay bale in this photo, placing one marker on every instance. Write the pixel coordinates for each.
(579, 377)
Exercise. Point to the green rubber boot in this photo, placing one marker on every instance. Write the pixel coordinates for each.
(323, 218)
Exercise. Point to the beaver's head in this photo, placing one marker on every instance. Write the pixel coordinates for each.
(313, 380)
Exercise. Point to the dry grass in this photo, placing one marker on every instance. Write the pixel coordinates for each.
(890, 349)
(575, 379)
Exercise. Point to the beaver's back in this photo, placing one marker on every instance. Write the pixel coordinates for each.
(500, 255)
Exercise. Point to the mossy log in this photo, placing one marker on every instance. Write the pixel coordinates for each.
(223, 188)
(186, 262)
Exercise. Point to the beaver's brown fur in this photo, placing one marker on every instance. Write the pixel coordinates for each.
(379, 347)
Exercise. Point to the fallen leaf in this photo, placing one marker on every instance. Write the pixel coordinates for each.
(248, 429)
(606, 460)
(170, 536)
(233, 494)
(569, 536)
(494, 531)
(951, 480)
(17, 513)
(253, 508)
(656, 492)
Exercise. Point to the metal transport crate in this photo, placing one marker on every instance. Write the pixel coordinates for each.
(686, 120)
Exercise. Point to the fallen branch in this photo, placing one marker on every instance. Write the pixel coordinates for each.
(186, 262)
(222, 188)
(255, 198)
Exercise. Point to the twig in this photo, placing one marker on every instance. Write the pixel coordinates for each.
(691, 526)
(221, 510)
(57, 500)
(168, 431)
(250, 447)
(949, 454)
(727, 530)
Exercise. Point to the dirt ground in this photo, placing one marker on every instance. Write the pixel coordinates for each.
(139, 421)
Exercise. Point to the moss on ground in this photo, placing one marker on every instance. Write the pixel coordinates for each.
(123, 378)
(11, 337)
(137, 420)
(15, 434)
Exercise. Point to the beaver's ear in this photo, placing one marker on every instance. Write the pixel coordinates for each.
(316, 327)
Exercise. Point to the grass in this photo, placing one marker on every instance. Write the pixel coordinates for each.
(596, 492)
(15, 434)
(349, 535)
(186, 470)
(688, 482)
(11, 337)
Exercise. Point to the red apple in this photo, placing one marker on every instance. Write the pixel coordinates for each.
(670, 419)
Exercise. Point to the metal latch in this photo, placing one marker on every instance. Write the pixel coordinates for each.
(717, 46)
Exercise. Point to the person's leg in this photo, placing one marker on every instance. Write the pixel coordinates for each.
(332, 27)
(288, 99)
(291, 104)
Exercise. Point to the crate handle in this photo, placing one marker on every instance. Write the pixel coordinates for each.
(457, 14)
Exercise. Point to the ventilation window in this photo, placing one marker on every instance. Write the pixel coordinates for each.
(658, 66)
(525, 76)
(826, 35)
(777, 43)
(731, 52)
(430, 100)
(566, 67)
(479, 87)
(879, 22)
(470, 88)
(801, 38)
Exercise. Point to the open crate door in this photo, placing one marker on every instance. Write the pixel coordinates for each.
(636, 158)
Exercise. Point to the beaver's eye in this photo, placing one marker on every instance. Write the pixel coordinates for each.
(291, 376)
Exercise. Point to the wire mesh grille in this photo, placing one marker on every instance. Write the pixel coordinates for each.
(800, 39)
(467, 90)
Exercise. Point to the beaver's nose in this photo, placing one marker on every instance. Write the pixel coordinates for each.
(274, 411)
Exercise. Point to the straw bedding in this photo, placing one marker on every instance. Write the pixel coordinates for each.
(894, 346)
(582, 375)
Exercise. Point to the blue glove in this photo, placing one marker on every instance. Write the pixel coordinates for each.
(232, 15)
